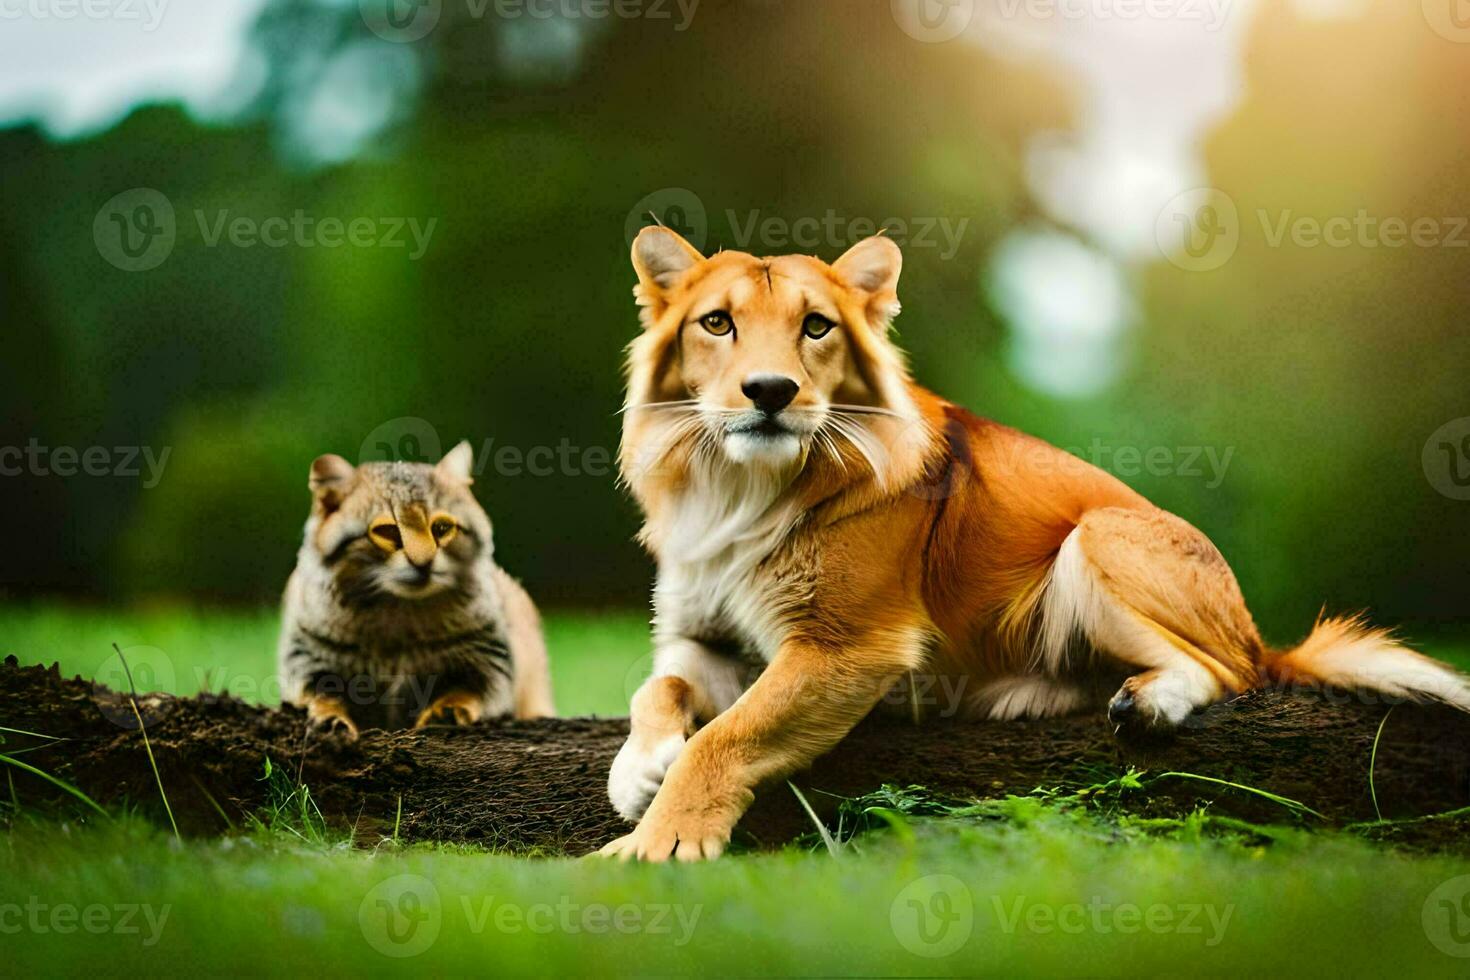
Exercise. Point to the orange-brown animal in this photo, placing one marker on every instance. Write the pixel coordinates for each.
(828, 532)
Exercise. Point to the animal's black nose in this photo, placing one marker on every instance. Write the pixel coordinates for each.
(770, 392)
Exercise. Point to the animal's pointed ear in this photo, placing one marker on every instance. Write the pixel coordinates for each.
(458, 465)
(872, 265)
(660, 257)
(330, 479)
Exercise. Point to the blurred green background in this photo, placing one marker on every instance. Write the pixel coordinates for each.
(1314, 376)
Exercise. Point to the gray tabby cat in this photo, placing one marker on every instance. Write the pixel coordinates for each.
(396, 614)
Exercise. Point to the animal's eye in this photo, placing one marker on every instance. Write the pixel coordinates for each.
(387, 535)
(816, 326)
(717, 323)
(443, 528)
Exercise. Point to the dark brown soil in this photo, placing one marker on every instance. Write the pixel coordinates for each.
(539, 786)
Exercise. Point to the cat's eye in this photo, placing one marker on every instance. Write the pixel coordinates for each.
(443, 528)
(717, 323)
(816, 326)
(386, 535)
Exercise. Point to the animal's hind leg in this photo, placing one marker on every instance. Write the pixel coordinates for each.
(1150, 592)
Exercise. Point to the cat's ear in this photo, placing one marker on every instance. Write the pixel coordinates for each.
(872, 266)
(660, 257)
(331, 477)
(458, 465)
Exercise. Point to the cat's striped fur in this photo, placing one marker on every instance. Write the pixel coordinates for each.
(396, 614)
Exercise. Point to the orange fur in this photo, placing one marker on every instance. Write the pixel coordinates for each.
(902, 540)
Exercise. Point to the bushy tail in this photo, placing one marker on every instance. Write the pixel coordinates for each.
(1346, 652)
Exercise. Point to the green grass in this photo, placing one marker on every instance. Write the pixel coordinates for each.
(1033, 892)
(1058, 885)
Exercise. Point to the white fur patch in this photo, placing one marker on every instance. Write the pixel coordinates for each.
(637, 773)
(1072, 605)
(753, 449)
(1076, 604)
(1373, 661)
(712, 539)
(1029, 696)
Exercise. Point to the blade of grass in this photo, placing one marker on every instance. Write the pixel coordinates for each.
(58, 783)
(832, 846)
(147, 746)
(1290, 804)
(1373, 762)
(213, 802)
(1463, 811)
(21, 731)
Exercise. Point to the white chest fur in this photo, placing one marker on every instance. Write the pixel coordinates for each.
(711, 546)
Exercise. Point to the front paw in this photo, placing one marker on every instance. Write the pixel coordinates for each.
(330, 716)
(638, 772)
(455, 708)
(688, 836)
